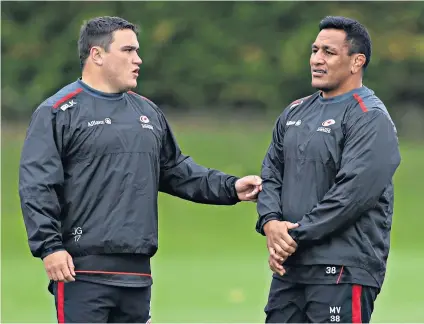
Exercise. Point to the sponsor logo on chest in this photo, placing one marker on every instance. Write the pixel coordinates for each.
(294, 122)
(92, 123)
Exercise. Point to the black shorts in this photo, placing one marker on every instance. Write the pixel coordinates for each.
(331, 303)
(87, 302)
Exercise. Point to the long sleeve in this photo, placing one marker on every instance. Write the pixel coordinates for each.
(269, 199)
(40, 183)
(180, 176)
(369, 160)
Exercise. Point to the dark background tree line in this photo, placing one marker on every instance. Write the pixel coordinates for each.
(238, 57)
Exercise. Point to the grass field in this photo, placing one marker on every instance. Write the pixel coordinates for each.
(211, 265)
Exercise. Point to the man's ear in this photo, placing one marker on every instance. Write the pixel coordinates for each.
(97, 55)
(357, 63)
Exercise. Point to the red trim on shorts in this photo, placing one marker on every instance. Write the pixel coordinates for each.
(61, 302)
(360, 101)
(67, 97)
(340, 275)
(115, 273)
(356, 304)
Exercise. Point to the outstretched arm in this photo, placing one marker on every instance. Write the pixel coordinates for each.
(180, 176)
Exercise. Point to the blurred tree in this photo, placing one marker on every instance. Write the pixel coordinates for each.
(210, 55)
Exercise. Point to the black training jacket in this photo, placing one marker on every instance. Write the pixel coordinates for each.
(91, 168)
(329, 167)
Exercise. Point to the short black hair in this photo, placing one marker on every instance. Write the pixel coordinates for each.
(356, 35)
(99, 32)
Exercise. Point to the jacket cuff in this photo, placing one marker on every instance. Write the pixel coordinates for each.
(265, 219)
(233, 190)
(51, 250)
(295, 233)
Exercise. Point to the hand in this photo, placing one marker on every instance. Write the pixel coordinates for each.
(59, 266)
(276, 266)
(248, 188)
(280, 244)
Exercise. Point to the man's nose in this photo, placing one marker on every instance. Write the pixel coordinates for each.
(317, 59)
(138, 60)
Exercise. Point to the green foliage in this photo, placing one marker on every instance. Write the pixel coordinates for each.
(211, 265)
(198, 55)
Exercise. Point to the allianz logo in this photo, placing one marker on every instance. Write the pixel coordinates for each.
(99, 122)
(294, 122)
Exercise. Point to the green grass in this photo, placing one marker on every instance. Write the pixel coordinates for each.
(211, 265)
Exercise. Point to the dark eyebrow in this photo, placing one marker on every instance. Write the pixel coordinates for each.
(325, 47)
(129, 47)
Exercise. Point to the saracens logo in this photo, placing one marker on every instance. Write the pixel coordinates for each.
(145, 122)
(144, 119)
(328, 122)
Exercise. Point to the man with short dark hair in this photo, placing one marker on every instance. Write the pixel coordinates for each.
(94, 159)
(327, 201)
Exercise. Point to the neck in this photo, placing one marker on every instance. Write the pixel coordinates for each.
(343, 88)
(96, 81)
